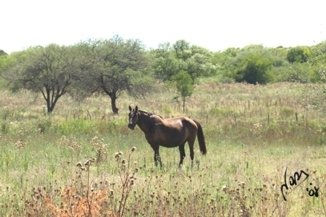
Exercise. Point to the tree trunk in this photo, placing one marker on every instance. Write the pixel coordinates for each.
(50, 109)
(183, 104)
(51, 102)
(113, 97)
(48, 106)
(51, 96)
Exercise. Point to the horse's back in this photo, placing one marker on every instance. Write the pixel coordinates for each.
(182, 120)
(184, 124)
(173, 125)
(171, 132)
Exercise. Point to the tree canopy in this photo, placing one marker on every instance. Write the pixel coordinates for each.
(113, 66)
(48, 70)
(2, 53)
(298, 54)
(182, 64)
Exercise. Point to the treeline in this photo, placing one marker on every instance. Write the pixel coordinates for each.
(256, 64)
(116, 65)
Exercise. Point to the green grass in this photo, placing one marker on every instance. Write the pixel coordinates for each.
(253, 133)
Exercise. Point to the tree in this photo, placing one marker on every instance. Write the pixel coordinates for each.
(254, 70)
(182, 63)
(3, 59)
(165, 65)
(114, 66)
(222, 60)
(185, 86)
(318, 62)
(2, 53)
(200, 63)
(182, 50)
(48, 70)
(250, 65)
(3, 63)
(298, 54)
(170, 60)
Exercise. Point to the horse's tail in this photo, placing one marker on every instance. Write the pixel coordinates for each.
(201, 138)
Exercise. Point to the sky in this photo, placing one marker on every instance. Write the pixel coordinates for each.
(213, 24)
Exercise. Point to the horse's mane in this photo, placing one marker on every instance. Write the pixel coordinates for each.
(149, 113)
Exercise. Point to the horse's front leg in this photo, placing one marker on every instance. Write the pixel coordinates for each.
(157, 157)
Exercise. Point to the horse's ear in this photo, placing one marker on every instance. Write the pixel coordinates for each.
(130, 108)
(136, 108)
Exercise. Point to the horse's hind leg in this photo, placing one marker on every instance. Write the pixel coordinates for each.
(191, 148)
(182, 153)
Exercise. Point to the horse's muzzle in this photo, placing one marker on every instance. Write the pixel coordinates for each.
(131, 126)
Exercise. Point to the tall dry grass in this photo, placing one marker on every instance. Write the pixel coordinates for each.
(253, 133)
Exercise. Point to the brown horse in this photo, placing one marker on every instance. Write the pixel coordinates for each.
(170, 132)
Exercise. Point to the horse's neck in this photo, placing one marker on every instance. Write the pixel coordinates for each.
(145, 123)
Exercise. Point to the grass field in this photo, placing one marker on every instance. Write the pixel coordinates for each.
(80, 160)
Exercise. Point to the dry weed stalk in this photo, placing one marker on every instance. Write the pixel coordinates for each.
(77, 200)
(127, 178)
(70, 142)
(81, 198)
(100, 147)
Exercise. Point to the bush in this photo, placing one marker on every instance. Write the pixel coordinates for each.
(297, 72)
(298, 54)
(249, 65)
(253, 69)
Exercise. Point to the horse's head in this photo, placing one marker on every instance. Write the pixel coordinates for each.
(133, 117)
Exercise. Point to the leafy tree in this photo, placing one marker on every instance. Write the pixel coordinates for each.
(317, 61)
(298, 54)
(3, 59)
(222, 62)
(185, 86)
(165, 65)
(48, 70)
(296, 72)
(3, 63)
(318, 66)
(182, 63)
(254, 70)
(182, 50)
(113, 66)
(278, 56)
(251, 65)
(2, 53)
(200, 64)
(170, 60)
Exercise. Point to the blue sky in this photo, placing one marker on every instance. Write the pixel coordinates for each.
(215, 25)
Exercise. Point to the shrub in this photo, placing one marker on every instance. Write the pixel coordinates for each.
(250, 65)
(297, 72)
(298, 54)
